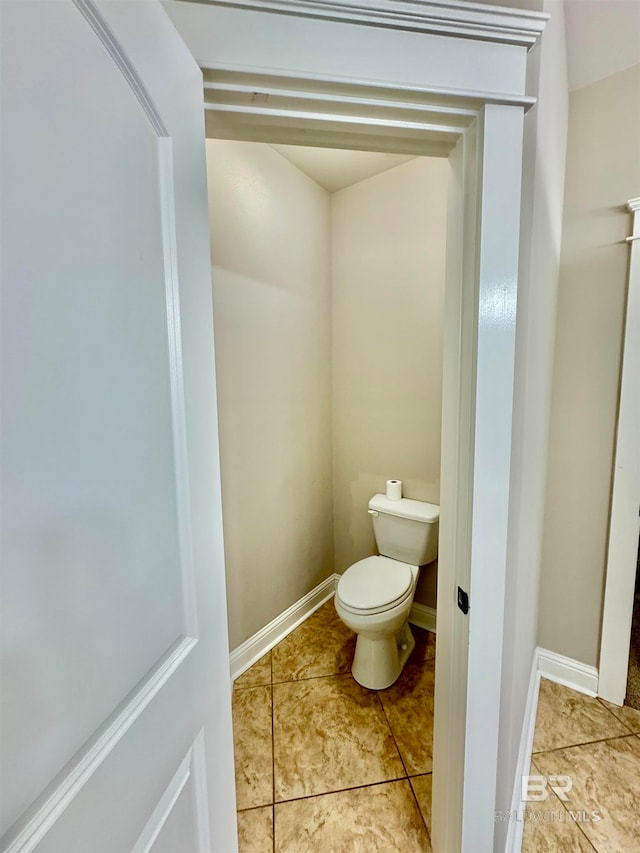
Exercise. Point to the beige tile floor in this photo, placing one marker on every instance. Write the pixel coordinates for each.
(598, 746)
(322, 764)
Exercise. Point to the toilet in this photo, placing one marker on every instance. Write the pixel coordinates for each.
(374, 595)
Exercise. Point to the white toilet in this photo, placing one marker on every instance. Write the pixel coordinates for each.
(374, 595)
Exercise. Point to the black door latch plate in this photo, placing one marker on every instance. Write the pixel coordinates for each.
(463, 600)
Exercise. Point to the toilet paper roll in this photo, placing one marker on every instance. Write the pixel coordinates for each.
(394, 490)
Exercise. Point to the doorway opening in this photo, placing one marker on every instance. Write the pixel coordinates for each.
(328, 290)
(481, 136)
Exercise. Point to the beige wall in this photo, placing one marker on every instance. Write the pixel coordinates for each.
(603, 172)
(388, 245)
(305, 285)
(270, 252)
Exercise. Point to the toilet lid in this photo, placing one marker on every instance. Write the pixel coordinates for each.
(374, 582)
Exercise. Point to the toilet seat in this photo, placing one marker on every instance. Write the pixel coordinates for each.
(374, 585)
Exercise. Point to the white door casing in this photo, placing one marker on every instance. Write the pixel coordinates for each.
(624, 525)
(326, 77)
(116, 724)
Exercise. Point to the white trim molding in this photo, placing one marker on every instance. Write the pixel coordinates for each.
(106, 35)
(192, 767)
(442, 17)
(423, 617)
(572, 673)
(165, 806)
(65, 787)
(516, 827)
(563, 670)
(624, 525)
(264, 640)
(287, 107)
(388, 75)
(261, 642)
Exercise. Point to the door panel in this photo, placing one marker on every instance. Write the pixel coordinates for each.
(114, 653)
(178, 822)
(127, 796)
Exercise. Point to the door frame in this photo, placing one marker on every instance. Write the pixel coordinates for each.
(624, 526)
(482, 136)
(434, 77)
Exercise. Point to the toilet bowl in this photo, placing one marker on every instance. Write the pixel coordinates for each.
(374, 595)
(373, 598)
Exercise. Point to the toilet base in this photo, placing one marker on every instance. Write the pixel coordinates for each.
(378, 661)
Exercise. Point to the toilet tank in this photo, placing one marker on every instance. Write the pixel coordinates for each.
(405, 530)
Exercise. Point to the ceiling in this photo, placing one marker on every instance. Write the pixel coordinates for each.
(336, 168)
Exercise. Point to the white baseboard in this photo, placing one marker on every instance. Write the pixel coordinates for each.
(516, 827)
(259, 644)
(568, 671)
(563, 670)
(423, 617)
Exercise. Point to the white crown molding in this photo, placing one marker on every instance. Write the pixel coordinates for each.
(444, 17)
(634, 205)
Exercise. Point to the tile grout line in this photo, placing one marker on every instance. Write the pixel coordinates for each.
(273, 827)
(582, 743)
(338, 676)
(393, 737)
(322, 675)
(253, 686)
(342, 790)
(575, 822)
(622, 722)
(580, 829)
(326, 793)
(327, 675)
(318, 677)
(415, 799)
(350, 787)
(254, 808)
(312, 677)
(408, 778)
